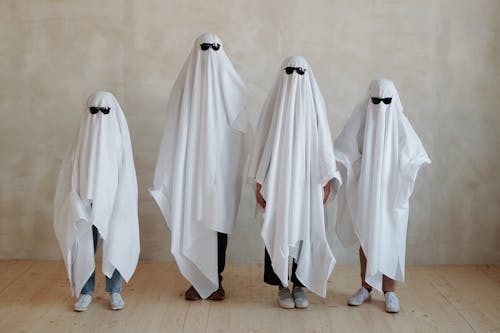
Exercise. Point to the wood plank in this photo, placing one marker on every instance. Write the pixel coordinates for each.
(12, 270)
(491, 271)
(156, 290)
(472, 293)
(26, 299)
(36, 298)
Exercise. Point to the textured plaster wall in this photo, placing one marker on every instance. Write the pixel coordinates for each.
(443, 55)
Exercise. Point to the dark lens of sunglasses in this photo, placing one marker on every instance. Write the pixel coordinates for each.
(205, 46)
(289, 70)
(376, 100)
(93, 110)
(300, 71)
(105, 110)
(215, 47)
(387, 100)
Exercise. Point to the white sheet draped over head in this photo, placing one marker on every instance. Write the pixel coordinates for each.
(293, 158)
(197, 183)
(97, 185)
(381, 154)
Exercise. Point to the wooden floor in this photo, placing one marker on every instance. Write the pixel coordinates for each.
(34, 297)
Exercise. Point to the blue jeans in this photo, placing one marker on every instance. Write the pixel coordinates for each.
(113, 285)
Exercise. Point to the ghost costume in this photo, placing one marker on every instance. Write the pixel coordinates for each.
(97, 186)
(381, 155)
(293, 159)
(197, 182)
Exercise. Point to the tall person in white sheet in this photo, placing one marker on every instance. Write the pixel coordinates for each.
(197, 182)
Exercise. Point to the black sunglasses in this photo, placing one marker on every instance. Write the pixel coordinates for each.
(299, 70)
(96, 109)
(206, 46)
(377, 100)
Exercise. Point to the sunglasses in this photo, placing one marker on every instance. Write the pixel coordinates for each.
(206, 46)
(299, 70)
(96, 109)
(377, 100)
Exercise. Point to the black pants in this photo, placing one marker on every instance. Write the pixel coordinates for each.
(221, 253)
(271, 278)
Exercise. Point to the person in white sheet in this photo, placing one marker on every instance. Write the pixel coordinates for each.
(380, 154)
(197, 182)
(293, 167)
(96, 197)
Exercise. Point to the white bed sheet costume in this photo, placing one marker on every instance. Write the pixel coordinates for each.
(97, 185)
(381, 155)
(293, 159)
(198, 177)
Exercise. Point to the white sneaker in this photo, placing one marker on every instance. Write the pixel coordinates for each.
(83, 303)
(359, 297)
(300, 298)
(285, 299)
(116, 301)
(391, 302)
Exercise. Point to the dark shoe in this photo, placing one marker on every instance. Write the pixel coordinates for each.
(218, 295)
(192, 295)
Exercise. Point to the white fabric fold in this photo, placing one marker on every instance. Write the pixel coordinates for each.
(97, 185)
(381, 155)
(197, 182)
(293, 158)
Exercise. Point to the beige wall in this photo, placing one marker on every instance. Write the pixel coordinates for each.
(443, 55)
